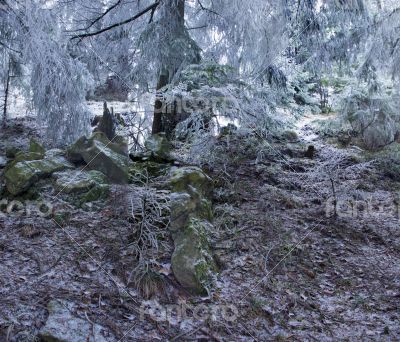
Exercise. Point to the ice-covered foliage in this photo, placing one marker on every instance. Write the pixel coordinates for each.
(373, 117)
(208, 96)
(147, 44)
(58, 81)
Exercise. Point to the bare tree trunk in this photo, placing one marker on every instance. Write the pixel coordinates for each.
(159, 107)
(6, 91)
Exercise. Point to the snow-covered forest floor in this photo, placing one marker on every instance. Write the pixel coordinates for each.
(288, 271)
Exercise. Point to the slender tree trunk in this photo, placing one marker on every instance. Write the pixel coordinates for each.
(159, 107)
(6, 91)
(164, 77)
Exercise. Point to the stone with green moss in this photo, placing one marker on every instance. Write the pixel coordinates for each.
(76, 150)
(21, 175)
(23, 156)
(102, 155)
(114, 165)
(118, 144)
(185, 179)
(192, 261)
(98, 192)
(158, 147)
(76, 181)
(184, 207)
(26, 156)
(35, 146)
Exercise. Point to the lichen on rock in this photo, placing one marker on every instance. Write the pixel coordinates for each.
(101, 154)
(22, 174)
(35, 146)
(187, 178)
(191, 215)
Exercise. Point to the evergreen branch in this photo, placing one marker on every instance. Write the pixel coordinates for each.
(101, 16)
(138, 15)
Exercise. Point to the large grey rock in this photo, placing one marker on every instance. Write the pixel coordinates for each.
(112, 164)
(84, 186)
(192, 261)
(22, 174)
(191, 214)
(185, 179)
(77, 181)
(63, 326)
(99, 153)
(118, 145)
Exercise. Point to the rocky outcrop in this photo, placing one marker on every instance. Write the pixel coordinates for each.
(189, 178)
(191, 214)
(36, 147)
(157, 149)
(85, 186)
(76, 181)
(63, 326)
(100, 154)
(22, 173)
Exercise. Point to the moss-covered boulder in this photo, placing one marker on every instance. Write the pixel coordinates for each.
(114, 165)
(84, 186)
(63, 326)
(102, 155)
(185, 179)
(35, 146)
(190, 225)
(75, 151)
(158, 147)
(21, 175)
(76, 181)
(184, 207)
(98, 192)
(26, 156)
(192, 261)
(118, 144)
